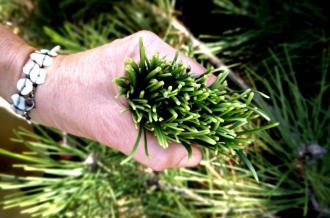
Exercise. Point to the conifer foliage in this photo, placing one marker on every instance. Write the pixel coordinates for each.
(167, 99)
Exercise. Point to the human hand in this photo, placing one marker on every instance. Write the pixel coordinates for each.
(79, 97)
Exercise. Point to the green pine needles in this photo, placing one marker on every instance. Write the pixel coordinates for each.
(167, 99)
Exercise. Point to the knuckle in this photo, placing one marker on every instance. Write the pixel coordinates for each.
(158, 167)
(161, 164)
(146, 35)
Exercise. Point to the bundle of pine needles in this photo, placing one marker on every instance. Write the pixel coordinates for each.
(167, 99)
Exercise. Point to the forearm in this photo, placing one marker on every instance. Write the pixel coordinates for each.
(14, 53)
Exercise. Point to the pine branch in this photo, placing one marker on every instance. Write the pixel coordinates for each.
(201, 47)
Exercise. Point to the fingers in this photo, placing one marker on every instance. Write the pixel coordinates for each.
(153, 44)
(169, 52)
(128, 47)
(116, 129)
(174, 156)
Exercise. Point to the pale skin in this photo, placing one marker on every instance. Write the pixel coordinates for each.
(79, 96)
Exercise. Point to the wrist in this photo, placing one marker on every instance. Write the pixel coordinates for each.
(48, 96)
(11, 64)
(13, 68)
(34, 75)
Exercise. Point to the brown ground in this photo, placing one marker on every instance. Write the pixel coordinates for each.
(7, 123)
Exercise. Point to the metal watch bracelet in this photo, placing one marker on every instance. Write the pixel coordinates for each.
(34, 74)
